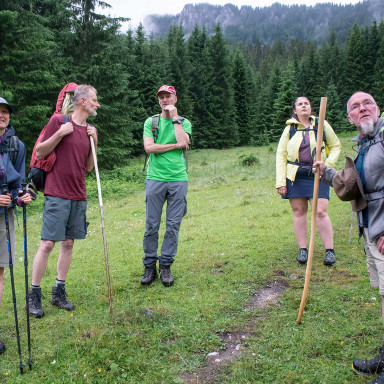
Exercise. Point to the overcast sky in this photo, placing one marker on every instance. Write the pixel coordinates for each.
(136, 10)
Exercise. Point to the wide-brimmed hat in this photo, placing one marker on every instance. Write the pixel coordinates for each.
(348, 186)
(166, 88)
(5, 102)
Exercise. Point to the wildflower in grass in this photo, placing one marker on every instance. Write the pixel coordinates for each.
(71, 314)
(6, 373)
(99, 370)
(353, 298)
(53, 362)
(342, 342)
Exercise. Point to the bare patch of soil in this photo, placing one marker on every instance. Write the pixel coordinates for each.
(235, 342)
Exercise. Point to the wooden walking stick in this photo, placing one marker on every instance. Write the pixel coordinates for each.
(102, 222)
(323, 107)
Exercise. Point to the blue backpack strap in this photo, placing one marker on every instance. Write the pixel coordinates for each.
(66, 118)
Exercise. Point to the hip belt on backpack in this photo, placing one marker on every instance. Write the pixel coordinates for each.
(374, 195)
(306, 165)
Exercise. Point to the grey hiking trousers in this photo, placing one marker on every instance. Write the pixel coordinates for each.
(156, 193)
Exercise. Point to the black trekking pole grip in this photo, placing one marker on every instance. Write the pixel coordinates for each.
(4, 189)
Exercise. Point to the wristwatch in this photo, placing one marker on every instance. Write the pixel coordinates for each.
(178, 121)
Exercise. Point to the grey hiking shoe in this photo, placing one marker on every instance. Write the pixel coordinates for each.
(303, 256)
(2, 347)
(34, 301)
(166, 276)
(329, 258)
(370, 367)
(150, 275)
(59, 298)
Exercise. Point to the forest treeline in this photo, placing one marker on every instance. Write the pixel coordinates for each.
(233, 94)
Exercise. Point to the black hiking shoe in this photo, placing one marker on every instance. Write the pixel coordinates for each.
(34, 301)
(329, 258)
(303, 256)
(370, 367)
(59, 298)
(150, 275)
(165, 275)
(378, 380)
(2, 347)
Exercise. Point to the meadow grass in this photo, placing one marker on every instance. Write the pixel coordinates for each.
(236, 237)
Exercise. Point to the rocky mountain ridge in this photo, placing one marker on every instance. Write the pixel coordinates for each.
(247, 23)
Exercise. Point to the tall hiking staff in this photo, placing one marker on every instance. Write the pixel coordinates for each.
(102, 222)
(323, 107)
(5, 191)
(24, 188)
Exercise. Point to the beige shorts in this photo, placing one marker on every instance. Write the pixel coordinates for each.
(375, 263)
(4, 255)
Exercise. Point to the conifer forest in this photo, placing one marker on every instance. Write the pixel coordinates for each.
(235, 94)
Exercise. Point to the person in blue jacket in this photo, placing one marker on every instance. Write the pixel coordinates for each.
(12, 173)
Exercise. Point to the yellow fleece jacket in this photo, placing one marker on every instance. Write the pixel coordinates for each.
(288, 150)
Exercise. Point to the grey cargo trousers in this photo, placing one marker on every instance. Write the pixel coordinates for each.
(156, 193)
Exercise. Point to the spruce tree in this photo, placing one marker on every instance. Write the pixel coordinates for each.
(242, 99)
(224, 125)
(334, 114)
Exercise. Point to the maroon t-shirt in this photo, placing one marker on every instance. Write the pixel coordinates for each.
(67, 178)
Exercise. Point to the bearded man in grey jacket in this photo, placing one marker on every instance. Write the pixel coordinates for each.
(367, 199)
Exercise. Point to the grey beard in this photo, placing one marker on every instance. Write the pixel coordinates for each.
(367, 128)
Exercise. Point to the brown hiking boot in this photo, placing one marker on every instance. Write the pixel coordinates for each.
(59, 298)
(34, 301)
(166, 276)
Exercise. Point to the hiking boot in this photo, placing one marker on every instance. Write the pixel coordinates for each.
(329, 258)
(378, 380)
(2, 347)
(59, 298)
(34, 301)
(303, 256)
(166, 276)
(150, 275)
(370, 367)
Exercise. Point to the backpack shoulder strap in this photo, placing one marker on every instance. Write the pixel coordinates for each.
(14, 145)
(66, 118)
(315, 128)
(292, 130)
(155, 126)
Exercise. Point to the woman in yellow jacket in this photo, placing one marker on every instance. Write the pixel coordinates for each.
(295, 180)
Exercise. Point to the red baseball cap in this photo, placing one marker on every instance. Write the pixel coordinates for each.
(166, 88)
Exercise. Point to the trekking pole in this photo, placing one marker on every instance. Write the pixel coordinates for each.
(30, 362)
(102, 222)
(323, 106)
(4, 191)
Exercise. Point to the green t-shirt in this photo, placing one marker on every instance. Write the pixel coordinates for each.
(167, 166)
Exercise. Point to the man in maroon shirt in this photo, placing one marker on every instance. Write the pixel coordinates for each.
(65, 203)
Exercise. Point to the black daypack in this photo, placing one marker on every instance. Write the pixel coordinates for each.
(155, 133)
(293, 129)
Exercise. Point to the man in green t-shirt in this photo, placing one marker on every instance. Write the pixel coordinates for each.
(167, 180)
